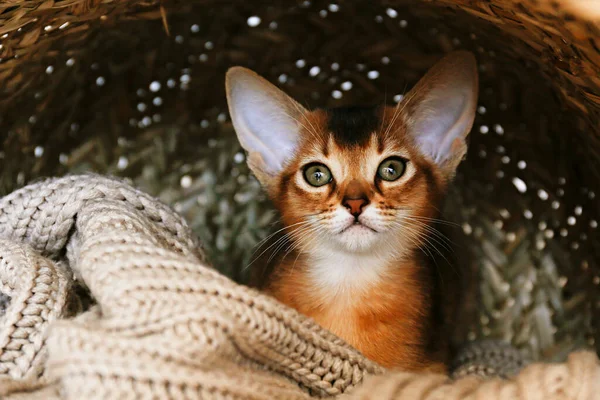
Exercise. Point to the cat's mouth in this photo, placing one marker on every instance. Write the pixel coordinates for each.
(357, 225)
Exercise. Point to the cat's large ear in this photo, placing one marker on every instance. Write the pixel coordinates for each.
(265, 120)
(440, 109)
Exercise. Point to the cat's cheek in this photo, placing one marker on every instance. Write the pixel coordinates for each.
(304, 202)
(334, 221)
(374, 219)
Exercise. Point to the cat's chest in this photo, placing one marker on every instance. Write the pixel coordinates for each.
(377, 308)
(361, 303)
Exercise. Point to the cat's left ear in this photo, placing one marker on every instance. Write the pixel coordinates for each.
(440, 110)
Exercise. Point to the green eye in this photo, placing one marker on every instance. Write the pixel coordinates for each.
(391, 169)
(317, 174)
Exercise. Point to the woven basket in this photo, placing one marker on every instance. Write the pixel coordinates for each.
(135, 88)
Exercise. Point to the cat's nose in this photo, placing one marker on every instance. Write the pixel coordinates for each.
(355, 206)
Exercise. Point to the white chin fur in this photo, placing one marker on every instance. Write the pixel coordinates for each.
(355, 258)
(357, 238)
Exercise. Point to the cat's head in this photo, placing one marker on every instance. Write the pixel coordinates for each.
(357, 179)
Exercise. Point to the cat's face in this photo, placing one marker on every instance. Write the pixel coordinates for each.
(359, 179)
(357, 184)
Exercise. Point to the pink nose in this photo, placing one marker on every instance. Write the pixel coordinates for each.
(355, 206)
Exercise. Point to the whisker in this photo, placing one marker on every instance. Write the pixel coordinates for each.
(413, 212)
(437, 220)
(259, 244)
(432, 231)
(285, 238)
(318, 230)
(277, 242)
(415, 241)
(431, 239)
(435, 236)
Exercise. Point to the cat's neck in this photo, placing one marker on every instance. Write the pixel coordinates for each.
(338, 273)
(333, 276)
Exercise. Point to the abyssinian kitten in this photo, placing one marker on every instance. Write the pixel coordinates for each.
(358, 190)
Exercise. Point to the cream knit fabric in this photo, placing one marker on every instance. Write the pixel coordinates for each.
(166, 326)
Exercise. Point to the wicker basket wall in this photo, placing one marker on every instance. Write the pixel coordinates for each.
(135, 89)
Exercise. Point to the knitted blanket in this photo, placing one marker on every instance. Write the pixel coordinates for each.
(165, 325)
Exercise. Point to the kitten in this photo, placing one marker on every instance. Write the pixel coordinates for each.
(358, 190)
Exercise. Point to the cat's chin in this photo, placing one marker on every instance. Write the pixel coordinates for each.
(357, 237)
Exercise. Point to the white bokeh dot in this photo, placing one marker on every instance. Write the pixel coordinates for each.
(346, 85)
(155, 86)
(314, 71)
(253, 21)
(373, 74)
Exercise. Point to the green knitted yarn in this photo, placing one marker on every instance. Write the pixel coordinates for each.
(4, 302)
(488, 358)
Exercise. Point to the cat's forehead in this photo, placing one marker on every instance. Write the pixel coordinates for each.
(353, 126)
(347, 132)
(352, 141)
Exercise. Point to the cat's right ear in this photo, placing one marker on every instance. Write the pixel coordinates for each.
(265, 120)
(441, 108)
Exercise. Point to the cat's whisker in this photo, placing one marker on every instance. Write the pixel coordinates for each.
(298, 235)
(430, 240)
(394, 250)
(433, 246)
(260, 244)
(315, 229)
(434, 233)
(413, 210)
(430, 233)
(426, 225)
(413, 240)
(436, 220)
(287, 237)
(277, 242)
(263, 252)
(437, 236)
(298, 242)
(266, 241)
(418, 239)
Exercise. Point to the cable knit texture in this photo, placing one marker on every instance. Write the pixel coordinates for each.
(165, 325)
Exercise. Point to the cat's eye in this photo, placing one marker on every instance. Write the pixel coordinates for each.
(317, 174)
(391, 169)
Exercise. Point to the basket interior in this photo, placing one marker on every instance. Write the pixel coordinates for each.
(136, 91)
